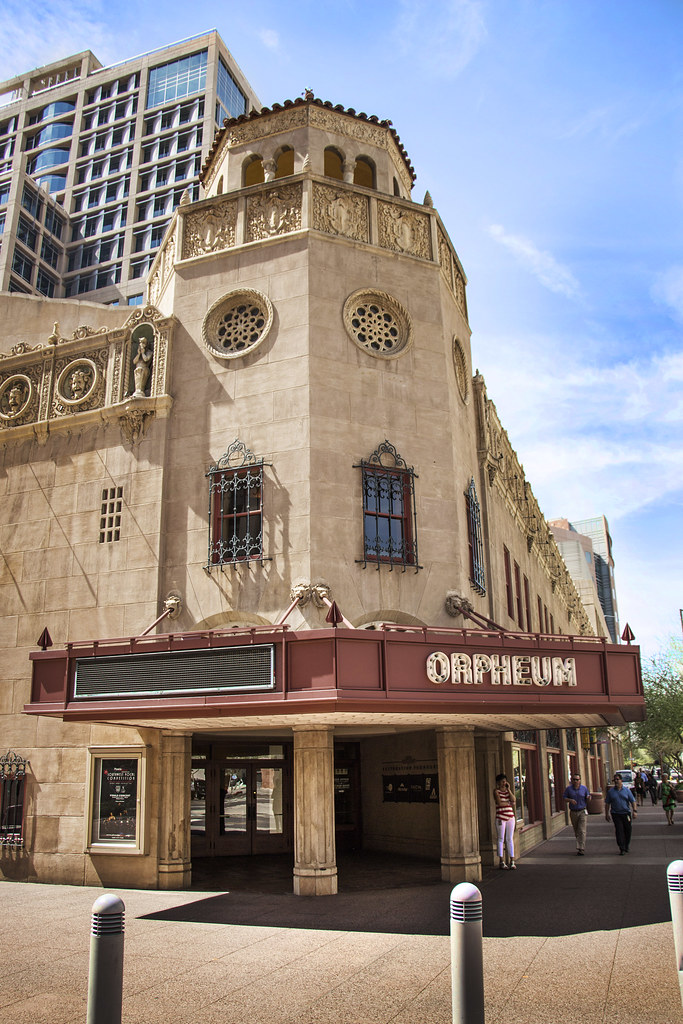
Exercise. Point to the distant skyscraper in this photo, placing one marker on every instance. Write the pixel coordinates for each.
(94, 160)
(586, 546)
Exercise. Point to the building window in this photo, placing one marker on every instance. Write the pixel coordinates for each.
(12, 785)
(31, 202)
(527, 604)
(45, 284)
(110, 514)
(474, 540)
(235, 507)
(232, 99)
(22, 265)
(389, 517)
(526, 783)
(177, 79)
(518, 595)
(508, 584)
(26, 233)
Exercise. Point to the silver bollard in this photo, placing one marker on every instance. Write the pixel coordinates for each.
(674, 878)
(105, 983)
(467, 962)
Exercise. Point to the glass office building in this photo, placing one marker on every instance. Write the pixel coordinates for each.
(93, 161)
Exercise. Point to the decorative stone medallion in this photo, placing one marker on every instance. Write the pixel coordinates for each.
(276, 211)
(340, 212)
(461, 374)
(237, 323)
(77, 382)
(377, 323)
(15, 397)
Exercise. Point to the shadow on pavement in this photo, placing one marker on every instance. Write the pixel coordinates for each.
(553, 892)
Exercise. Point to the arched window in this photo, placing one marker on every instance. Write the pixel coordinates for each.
(285, 163)
(334, 164)
(219, 186)
(235, 507)
(475, 541)
(253, 171)
(397, 190)
(389, 517)
(364, 173)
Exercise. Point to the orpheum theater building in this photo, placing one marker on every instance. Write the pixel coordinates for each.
(299, 595)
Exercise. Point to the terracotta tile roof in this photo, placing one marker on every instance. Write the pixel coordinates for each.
(309, 99)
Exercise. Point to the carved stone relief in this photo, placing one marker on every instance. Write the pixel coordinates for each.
(237, 323)
(340, 212)
(404, 230)
(275, 212)
(460, 290)
(462, 376)
(260, 128)
(210, 229)
(19, 398)
(445, 258)
(342, 124)
(80, 383)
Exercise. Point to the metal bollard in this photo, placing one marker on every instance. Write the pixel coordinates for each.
(105, 983)
(674, 877)
(467, 963)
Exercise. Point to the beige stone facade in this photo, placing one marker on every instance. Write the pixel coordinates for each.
(309, 320)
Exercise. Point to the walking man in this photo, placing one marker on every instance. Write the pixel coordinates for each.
(623, 806)
(576, 799)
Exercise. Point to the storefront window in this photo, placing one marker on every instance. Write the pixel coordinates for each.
(116, 801)
(527, 792)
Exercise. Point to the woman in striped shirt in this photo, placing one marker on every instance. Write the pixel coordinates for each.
(505, 820)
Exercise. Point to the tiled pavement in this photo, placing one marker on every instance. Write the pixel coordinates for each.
(567, 939)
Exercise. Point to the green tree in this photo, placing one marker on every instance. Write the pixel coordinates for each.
(661, 734)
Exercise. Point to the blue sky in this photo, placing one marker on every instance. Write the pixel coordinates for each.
(550, 136)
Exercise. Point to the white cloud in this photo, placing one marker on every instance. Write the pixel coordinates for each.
(606, 122)
(668, 290)
(542, 265)
(33, 35)
(269, 38)
(441, 36)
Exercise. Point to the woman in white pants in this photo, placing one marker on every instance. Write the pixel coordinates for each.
(505, 821)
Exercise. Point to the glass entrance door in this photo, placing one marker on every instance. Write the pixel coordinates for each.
(240, 808)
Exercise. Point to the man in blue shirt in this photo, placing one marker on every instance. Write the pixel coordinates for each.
(576, 799)
(622, 803)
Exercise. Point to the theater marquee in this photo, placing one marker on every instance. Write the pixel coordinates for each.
(501, 669)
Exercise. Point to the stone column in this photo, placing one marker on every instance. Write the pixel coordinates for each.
(315, 865)
(489, 763)
(174, 871)
(460, 859)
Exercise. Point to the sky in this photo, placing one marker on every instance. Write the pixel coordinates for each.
(549, 134)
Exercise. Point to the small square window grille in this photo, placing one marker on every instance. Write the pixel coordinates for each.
(110, 514)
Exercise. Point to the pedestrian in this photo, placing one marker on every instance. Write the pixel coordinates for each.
(505, 821)
(576, 799)
(640, 787)
(621, 802)
(653, 786)
(666, 792)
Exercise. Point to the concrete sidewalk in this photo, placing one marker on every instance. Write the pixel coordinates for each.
(567, 939)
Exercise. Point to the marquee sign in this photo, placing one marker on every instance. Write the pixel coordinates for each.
(501, 669)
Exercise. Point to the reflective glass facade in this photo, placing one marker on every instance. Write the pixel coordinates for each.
(177, 79)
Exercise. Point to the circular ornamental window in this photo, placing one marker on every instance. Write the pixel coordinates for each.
(460, 366)
(377, 323)
(237, 323)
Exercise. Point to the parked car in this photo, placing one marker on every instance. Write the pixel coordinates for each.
(627, 776)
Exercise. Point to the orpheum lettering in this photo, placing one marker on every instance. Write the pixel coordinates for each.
(500, 670)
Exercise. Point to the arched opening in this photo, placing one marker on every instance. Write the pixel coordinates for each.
(397, 190)
(253, 171)
(285, 164)
(364, 173)
(334, 164)
(219, 186)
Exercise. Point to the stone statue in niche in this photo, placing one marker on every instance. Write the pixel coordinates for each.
(143, 365)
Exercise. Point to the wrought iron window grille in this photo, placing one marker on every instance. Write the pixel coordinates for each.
(389, 511)
(12, 780)
(475, 541)
(236, 509)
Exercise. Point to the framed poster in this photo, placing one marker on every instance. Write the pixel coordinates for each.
(116, 800)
